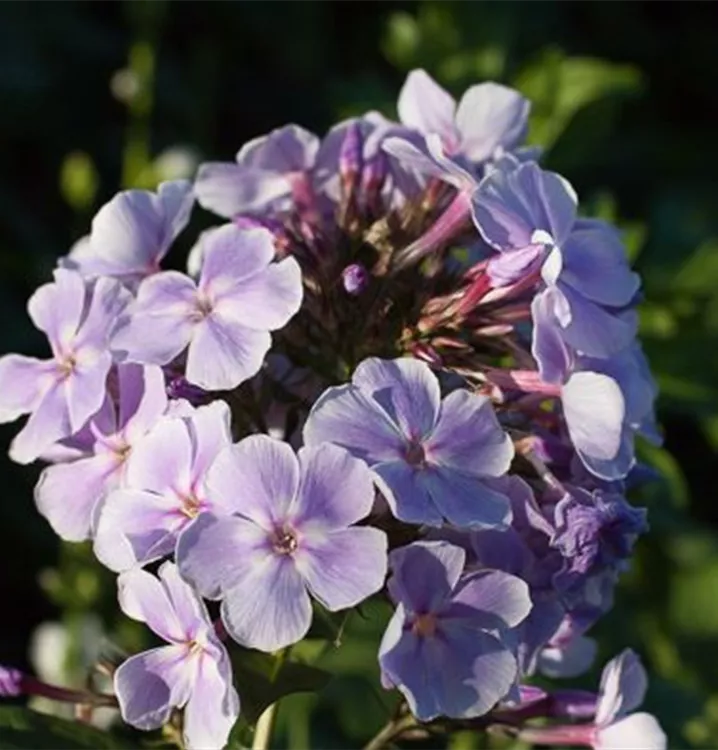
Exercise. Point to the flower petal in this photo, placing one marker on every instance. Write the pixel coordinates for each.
(57, 308)
(468, 437)
(66, 494)
(258, 477)
(336, 490)
(343, 567)
(148, 685)
(268, 606)
(623, 687)
(143, 598)
(639, 731)
(493, 593)
(224, 353)
(347, 417)
(23, 381)
(407, 493)
(490, 116)
(426, 106)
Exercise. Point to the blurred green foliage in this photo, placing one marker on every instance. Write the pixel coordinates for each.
(624, 103)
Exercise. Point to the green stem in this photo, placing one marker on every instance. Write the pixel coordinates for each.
(264, 728)
(391, 731)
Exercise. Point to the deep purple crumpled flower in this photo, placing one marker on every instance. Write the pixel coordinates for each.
(445, 647)
(193, 672)
(133, 232)
(436, 458)
(67, 493)
(594, 530)
(62, 393)
(164, 487)
(529, 216)
(223, 321)
(291, 535)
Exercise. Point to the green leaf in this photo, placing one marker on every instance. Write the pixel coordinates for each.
(560, 86)
(262, 679)
(23, 729)
(699, 274)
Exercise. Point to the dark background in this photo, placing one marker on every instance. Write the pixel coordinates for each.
(92, 96)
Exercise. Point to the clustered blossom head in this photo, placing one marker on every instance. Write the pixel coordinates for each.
(332, 392)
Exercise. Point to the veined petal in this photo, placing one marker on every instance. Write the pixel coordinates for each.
(143, 598)
(188, 607)
(336, 489)
(492, 594)
(407, 493)
(56, 308)
(148, 685)
(623, 687)
(258, 478)
(426, 106)
(224, 353)
(66, 494)
(343, 567)
(639, 731)
(231, 254)
(268, 606)
(23, 382)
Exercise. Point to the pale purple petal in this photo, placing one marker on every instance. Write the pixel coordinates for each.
(514, 265)
(594, 410)
(594, 264)
(639, 731)
(161, 320)
(345, 416)
(133, 232)
(419, 158)
(57, 308)
(570, 660)
(212, 553)
(66, 494)
(23, 381)
(210, 432)
(213, 705)
(490, 116)
(189, 608)
(426, 106)
(229, 189)
(424, 574)
(161, 461)
(466, 501)
(623, 687)
(336, 490)
(343, 567)
(142, 400)
(407, 493)
(492, 593)
(548, 347)
(48, 423)
(108, 301)
(268, 606)
(468, 437)
(143, 598)
(592, 329)
(85, 386)
(258, 477)
(224, 353)
(290, 148)
(267, 300)
(232, 254)
(150, 684)
(406, 389)
(136, 527)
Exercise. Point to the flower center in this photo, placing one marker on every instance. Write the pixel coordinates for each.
(202, 307)
(284, 541)
(191, 505)
(424, 625)
(66, 366)
(415, 455)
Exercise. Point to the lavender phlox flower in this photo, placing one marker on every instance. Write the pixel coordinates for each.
(133, 232)
(615, 727)
(62, 393)
(66, 493)
(436, 459)
(222, 321)
(291, 536)
(529, 216)
(445, 646)
(193, 672)
(594, 530)
(164, 487)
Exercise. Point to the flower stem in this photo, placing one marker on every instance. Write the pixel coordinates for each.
(264, 728)
(391, 731)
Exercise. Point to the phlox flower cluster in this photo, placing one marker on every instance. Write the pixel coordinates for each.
(404, 367)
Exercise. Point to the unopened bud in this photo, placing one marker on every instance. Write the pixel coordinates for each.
(355, 279)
